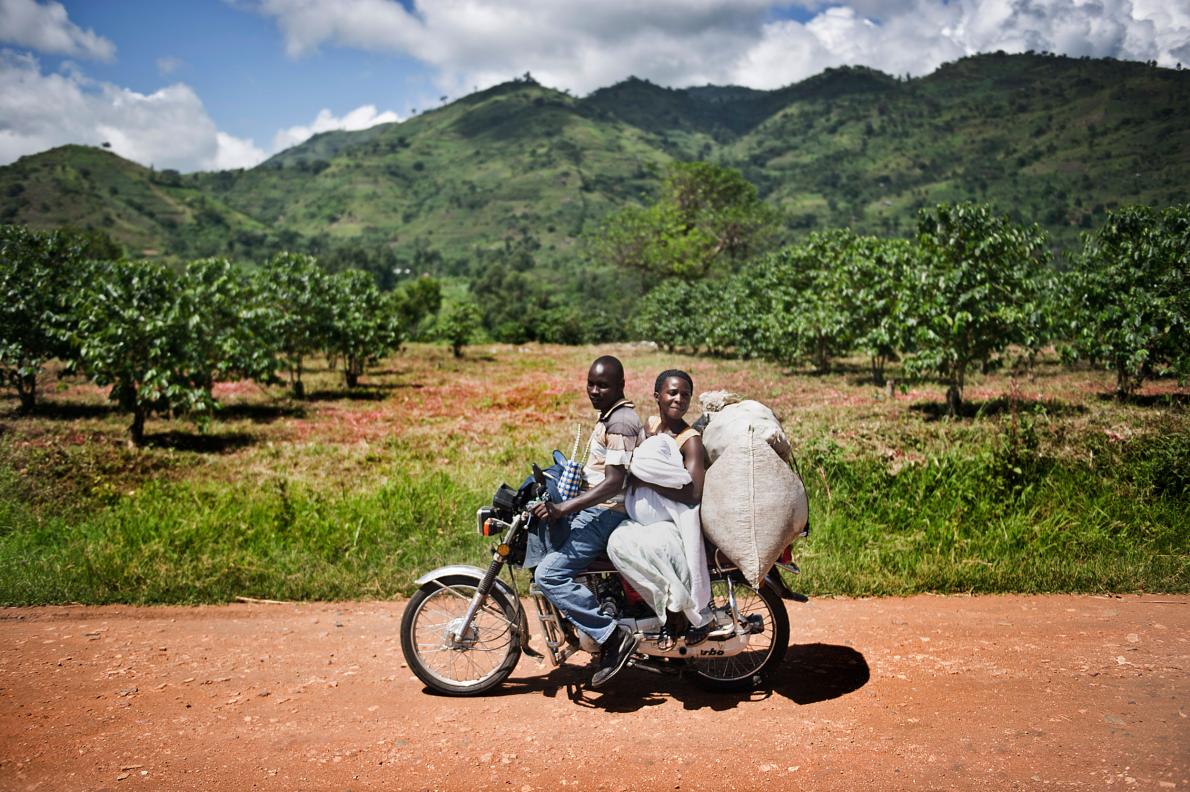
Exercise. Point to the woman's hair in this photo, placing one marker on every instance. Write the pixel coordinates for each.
(663, 376)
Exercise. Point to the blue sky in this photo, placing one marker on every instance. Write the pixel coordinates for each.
(212, 84)
(236, 61)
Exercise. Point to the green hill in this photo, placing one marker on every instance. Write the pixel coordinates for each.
(151, 213)
(517, 156)
(1050, 139)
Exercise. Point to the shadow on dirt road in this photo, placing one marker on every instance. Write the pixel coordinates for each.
(810, 673)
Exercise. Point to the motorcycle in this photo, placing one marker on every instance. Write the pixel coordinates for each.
(465, 629)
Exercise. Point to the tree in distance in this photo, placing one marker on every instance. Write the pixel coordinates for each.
(38, 270)
(1131, 295)
(293, 291)
(414, 303)
(707, 219)
(458, 324)
(364, 326)
(972, 293)
(135, 332)
(672, 315)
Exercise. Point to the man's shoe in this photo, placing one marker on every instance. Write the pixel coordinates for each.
(614, 655)
(696, 635)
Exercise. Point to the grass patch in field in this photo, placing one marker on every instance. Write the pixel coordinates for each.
(999, 520)
(186, 543)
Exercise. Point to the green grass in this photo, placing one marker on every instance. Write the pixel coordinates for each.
(190, 543)
(992, 519)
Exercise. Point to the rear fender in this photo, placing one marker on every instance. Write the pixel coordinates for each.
(774, 581)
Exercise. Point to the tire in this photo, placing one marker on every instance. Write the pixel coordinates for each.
(453, 667)
(766, 649)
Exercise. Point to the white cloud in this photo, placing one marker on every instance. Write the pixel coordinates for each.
(580, 45)
(46, 28)
(168, 128)
(233, 152)
(167, 65)
(360, 118)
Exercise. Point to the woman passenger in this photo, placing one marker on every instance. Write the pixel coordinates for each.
(659, 549)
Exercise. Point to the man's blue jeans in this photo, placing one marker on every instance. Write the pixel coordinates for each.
(589, 532)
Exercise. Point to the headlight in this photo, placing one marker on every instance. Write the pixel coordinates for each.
(481, 518)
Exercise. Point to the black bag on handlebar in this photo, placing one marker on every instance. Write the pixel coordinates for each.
(506, 500)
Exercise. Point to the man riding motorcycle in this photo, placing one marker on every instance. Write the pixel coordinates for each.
(593, 514)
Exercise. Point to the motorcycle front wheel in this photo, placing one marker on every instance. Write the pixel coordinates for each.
(766, 648)
(455, 664)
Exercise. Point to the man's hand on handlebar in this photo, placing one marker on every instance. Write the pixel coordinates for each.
(546, 510)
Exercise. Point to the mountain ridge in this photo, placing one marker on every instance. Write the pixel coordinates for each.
(1053, 139)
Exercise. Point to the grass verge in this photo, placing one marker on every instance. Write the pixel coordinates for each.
(994, 517)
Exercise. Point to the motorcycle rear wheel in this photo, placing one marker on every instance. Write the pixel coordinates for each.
(460, 666)
(766, 649)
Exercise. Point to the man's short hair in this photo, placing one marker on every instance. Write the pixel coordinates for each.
(613, 366)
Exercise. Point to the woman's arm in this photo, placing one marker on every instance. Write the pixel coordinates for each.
(694, 459)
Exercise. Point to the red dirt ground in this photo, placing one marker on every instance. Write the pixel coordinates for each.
(923, 693)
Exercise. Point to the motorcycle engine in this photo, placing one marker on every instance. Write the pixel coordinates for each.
(610, 596)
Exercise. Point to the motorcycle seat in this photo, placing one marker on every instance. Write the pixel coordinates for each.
(601, 564)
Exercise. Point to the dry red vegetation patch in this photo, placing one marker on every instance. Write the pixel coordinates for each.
(504, 397)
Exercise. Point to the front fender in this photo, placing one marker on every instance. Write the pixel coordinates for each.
(468, 572)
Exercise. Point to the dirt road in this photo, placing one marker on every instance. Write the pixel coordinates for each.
(1053, 692)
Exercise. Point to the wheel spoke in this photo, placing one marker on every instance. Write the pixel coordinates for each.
(760, 645)
(456, 656)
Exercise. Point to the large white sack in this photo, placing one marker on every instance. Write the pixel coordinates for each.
(731, 426)
(753, 505)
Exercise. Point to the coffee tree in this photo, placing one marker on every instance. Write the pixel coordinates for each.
(293, 292)
(458, 324)
(801, 313)
(1130, 295)
(873, 275)
(38, 270)
(727, 313)
(229, 324)
(136, 333)
(364, 325)
(670, 316)
(972, 291)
